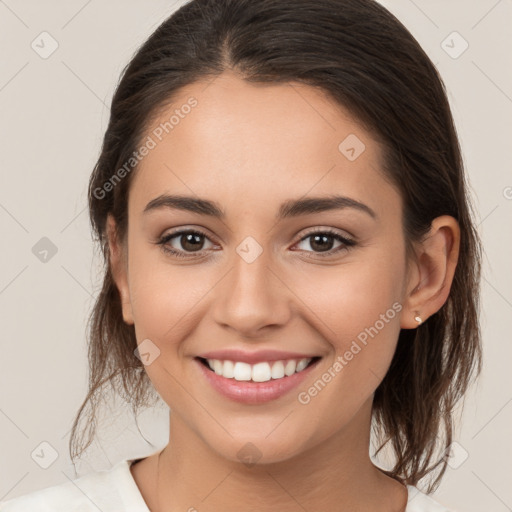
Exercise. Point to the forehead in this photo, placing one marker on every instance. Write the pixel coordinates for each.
(245, 144)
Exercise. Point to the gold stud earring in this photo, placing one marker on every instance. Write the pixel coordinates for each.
(418, 318)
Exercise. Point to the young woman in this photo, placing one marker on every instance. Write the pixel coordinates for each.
(291, 265)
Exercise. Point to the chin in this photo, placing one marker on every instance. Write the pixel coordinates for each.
(257, 449)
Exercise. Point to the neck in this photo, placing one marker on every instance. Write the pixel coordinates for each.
(336, 474)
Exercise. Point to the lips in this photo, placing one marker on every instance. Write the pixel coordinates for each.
(253, 393)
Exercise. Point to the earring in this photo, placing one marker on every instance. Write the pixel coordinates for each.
(418, 318)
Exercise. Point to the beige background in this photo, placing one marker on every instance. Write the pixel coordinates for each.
(53, 115)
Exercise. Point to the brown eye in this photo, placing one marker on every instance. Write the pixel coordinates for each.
(182, 242)
(322, 241)
(191, 241)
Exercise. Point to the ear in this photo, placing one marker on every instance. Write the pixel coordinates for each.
(431, 274)
(118, 266)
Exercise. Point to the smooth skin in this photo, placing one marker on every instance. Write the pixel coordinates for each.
(250, 148)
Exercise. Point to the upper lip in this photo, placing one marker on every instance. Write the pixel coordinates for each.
(253, 357)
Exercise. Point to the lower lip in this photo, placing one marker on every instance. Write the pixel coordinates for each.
(249, 392)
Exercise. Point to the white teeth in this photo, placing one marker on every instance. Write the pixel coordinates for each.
(228, 369)
(217, 366)
(302, 364)
(290, 367)
(277, 370)
(241, 371)
(259, 372)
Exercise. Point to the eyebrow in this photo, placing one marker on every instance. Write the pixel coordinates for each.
(288, 209)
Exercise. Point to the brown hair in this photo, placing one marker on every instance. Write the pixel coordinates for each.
(367, 61)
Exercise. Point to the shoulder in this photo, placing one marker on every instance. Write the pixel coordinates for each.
(420, 502)
(109, 490)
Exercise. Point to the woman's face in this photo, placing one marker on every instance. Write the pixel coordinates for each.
(259, 278)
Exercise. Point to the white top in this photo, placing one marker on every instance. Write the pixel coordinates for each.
(115, 490)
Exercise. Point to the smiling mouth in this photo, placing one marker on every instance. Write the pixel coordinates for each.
(259, 372)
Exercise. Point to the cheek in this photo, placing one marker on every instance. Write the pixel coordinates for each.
(352, 296)
(165, 298)
(356, 307)
(357, 310)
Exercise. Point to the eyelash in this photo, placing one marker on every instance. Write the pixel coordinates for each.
(347, 242)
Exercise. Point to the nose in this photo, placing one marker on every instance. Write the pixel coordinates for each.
(253, 298)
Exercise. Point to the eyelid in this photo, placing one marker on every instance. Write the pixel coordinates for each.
(326, 229)
(189, 229)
